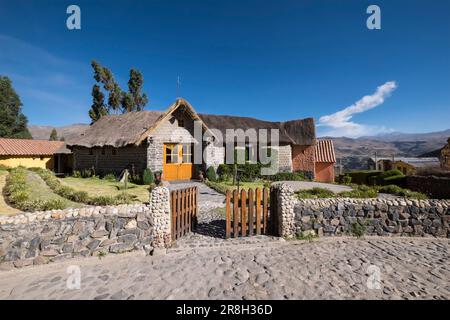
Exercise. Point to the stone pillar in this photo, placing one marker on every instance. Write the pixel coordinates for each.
(160, 215)
(286, 216)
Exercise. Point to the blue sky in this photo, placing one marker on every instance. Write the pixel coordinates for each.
(274, 60)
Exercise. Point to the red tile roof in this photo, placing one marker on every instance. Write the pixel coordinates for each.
(325, 151)
(25, 147)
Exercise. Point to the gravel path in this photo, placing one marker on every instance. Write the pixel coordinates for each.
(331, 268)
(305, 185)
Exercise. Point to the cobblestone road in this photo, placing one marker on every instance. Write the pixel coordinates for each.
(331, 268)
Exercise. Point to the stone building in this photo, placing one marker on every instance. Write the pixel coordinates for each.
(165, 142)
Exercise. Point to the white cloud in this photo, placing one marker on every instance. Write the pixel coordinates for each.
(339, 124)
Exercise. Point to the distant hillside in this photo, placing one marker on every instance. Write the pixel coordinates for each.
(354, 153)
(70, 132)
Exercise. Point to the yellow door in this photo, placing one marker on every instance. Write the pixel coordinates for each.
(177, 161)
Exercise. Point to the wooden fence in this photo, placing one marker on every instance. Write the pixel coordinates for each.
(247, 213)
(184, 211)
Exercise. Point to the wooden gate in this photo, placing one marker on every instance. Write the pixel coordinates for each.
(248, 213)
(184, 211)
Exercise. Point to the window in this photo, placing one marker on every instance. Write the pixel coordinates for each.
(114, 151)
(171, 153)
(181, 123)
(187, 153)
(91, 152)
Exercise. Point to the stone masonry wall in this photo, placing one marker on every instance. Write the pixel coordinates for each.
(42, 237)
(384, 217)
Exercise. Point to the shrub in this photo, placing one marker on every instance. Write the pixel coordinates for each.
(76, 174)
(398, 191)
(287, 176)
(399, 180)
(211, 174)
(362, 176)
(217, 186)
(360, 191)
(3, 167)
(345, 179)
(316, 193)
(358, 230)
(148, 177)
(225, 172)
(110, 177)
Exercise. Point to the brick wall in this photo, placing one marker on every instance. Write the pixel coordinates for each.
(303, 158)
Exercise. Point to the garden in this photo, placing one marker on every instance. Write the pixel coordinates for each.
(37, 189)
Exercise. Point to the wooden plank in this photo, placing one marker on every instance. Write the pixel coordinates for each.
(195, 207)
(228, 215)
(258, 210)
(236, 213)
(251, 209)
(244, 213)
(173, 199)
(265, 214)
(188, 210)
(183, 212)
(178, 214)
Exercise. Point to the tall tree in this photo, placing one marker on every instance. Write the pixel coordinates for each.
(104, 75)
(53, 135)
(13, 123)
(135, 89)
(98, 108)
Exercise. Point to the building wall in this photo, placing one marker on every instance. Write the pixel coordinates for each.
(168, 132)
(324, 172)
(303, 158)
(46, 162)
(405, 168)
(214, 156)
(108, 162)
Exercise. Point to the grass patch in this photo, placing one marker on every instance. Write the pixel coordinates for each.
(360, 191)
(28, 192)
(92, 191)
(309, 235)
(223, 186)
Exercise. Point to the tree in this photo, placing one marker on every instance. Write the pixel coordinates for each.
(135, 88)
(53, 135)
(98, 108)
(13, 123)
(104, 75)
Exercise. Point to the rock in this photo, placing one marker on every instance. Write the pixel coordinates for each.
(132, 224)
(99, 234)
(120, 248)
(39, 260)
(93, 244)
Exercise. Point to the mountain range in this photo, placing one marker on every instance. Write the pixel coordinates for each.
(352, 153)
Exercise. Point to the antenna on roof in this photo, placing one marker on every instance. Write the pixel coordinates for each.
(178, 86)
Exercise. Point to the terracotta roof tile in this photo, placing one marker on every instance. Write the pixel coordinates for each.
(325, 151)
(25, 147)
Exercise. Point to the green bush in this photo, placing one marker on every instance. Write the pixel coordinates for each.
(211, 174)
(110, 177)
(399, 180)
(148, 177)
(316, 193)
(360, 191)
(3, 167)
(358, 230)
(217, 186)
(398, 191)
(287, 176)
(362, 176)
(225, 172)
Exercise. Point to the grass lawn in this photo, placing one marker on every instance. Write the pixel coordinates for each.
(99, 187)
(38, 189)
(5, 209)
(223, 186)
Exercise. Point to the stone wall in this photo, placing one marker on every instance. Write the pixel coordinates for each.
(384, 217)
(284, 158)
(436, 187)
(110, 160)
(42, 237)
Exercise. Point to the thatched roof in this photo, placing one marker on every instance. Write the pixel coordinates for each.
(134, 127)
(118, 130)
(300, 132)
